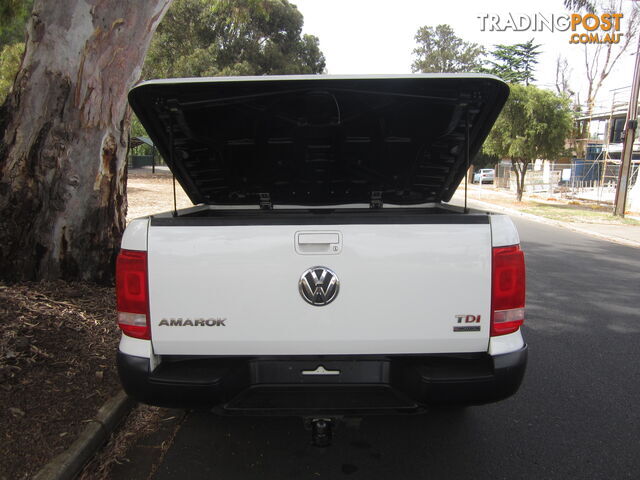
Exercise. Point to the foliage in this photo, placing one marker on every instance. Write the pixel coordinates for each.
(533, 124)
(13, 18)
(484, 160)
(515, 63)
(441, 50)
(10, 57)
(136, 129)
(232, 37)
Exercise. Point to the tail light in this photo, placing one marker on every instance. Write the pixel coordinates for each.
(507, 290)
(132, 294)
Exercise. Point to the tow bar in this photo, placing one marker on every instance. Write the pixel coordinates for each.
(321, 432)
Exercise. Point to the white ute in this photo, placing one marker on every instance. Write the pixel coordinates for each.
(321, 271)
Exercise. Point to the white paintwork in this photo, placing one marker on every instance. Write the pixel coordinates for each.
(401, 288)
(135, 235)
(139, 348)
(506, 343)
(135, 346)
(286, 78)
(503, 231)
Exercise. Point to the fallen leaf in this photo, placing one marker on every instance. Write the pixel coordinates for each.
(17, 412)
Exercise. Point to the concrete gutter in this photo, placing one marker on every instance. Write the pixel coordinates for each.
(69, 463)
(558, 223)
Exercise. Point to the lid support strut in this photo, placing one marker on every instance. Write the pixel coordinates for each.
(467, 159)
(175, 203)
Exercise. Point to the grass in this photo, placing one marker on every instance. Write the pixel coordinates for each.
(574, 213)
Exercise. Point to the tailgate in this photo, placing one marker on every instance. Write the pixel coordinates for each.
(235, 290)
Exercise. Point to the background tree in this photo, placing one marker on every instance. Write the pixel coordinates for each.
(563, 74)
(441, 50)
(533, 124)
(563, 88)
(63, 131)
(577, 5)
(515, 63)
(484, 160)
(232, 37)
(600, 59)
(13, 18)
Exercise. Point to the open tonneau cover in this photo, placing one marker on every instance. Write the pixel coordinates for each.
(319, 140)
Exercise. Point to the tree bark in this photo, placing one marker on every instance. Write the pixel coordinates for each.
(520, 168)
(64, 138)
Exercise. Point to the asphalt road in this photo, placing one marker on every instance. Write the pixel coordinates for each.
(577, 414)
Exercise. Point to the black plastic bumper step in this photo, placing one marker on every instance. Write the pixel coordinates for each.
(320, 397)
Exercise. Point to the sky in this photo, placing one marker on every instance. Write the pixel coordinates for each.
(376, 36)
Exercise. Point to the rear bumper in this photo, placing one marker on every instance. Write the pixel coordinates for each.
(276, 385)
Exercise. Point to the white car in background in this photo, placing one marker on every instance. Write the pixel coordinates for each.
(486, 175)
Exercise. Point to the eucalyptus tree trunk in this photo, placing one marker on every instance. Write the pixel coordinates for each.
(63, 132)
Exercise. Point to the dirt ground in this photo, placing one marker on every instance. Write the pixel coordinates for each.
(57, 355)
(149, 193)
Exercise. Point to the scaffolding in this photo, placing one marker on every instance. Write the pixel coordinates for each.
(596, 176)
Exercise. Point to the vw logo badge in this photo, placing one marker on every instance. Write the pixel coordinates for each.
(319, 286)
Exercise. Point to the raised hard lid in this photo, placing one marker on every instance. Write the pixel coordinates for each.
(319, 140)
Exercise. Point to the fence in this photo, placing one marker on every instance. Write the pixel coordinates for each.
(503, 176)
(535, 180)
(597, 180)
(594, 180)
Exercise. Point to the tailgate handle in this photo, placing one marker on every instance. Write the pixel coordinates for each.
(318, 238)
(318, 242)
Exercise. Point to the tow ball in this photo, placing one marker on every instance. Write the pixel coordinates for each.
(321, 431)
